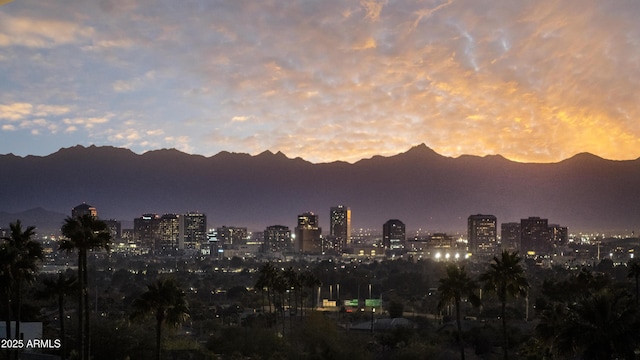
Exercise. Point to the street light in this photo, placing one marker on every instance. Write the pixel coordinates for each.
(373, 312)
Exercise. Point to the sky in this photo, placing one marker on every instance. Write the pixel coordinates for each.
(534, 81)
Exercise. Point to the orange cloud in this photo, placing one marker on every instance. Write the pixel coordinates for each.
(531, 80)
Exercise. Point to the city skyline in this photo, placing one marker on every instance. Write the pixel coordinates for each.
(171, 233)
(392, 230)
(337, 80)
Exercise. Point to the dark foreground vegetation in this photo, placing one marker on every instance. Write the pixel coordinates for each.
(117, 306)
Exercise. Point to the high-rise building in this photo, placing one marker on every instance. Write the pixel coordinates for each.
(441, 241)
(510, 236)
(394, 234)
(84, 209)
(340, 228)
(534, 236)
(232, 235)
(215, 247)
(308, 234)
(559, 235)
(169, 232)
(146, 230)
(482, 234)
(193, 230)
(277, 238)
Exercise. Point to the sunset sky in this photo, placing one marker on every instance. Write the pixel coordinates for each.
(534, 81)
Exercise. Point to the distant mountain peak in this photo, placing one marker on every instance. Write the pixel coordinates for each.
(268, 154)
(583, 157)
(165, 152)
(421, 150)
(92, 149)
(496, 158)
(586, 155)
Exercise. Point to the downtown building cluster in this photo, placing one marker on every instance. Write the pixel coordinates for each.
(188, 233)
(531, 236)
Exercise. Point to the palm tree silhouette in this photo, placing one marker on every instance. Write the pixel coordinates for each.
(293, 281)
(7, 258)
(505, 278)
(311, 281)
(59, 287)
(266, 277)
(602, 325)
(168, 304)
(453, 289)
(84, 233)
(23, 254)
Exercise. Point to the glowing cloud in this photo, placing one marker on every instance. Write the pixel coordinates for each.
(15, 111)
(330, 80)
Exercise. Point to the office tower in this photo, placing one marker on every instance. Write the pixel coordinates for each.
(441, 240)
(255, 238)
(84, 209)
(482, 234)
(169, 232)
(308, 234)
(559, 235)
(340, 228)
(510, 236)
(277, 238)
(215, 247)
(232, 235)
(534, 236)
(146, 230)
(393, 234)
(127, 235)
(193, 230)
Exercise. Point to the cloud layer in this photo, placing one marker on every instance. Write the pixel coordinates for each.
(325, 80)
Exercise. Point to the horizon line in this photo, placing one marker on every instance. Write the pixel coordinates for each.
(418, 147)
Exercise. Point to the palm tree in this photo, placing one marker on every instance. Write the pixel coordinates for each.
(311, 281)
(84, 233)
(59, 287)
(603, 325)
(168, 304)
(7, 258)
(265, 280)
(552, 319)
(634, 272)
(280, 286)
(453, 289)
(23, 267)
(506, 279)
(294, 282)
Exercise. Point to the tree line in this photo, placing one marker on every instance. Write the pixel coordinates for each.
(20, 256)
(584, 315)
(288, 291)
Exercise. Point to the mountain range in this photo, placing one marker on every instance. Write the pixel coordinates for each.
(420, 187)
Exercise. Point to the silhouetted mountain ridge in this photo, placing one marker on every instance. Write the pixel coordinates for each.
(46, 222)
(420, 187)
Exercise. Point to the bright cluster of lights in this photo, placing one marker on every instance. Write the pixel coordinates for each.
(449, 256)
